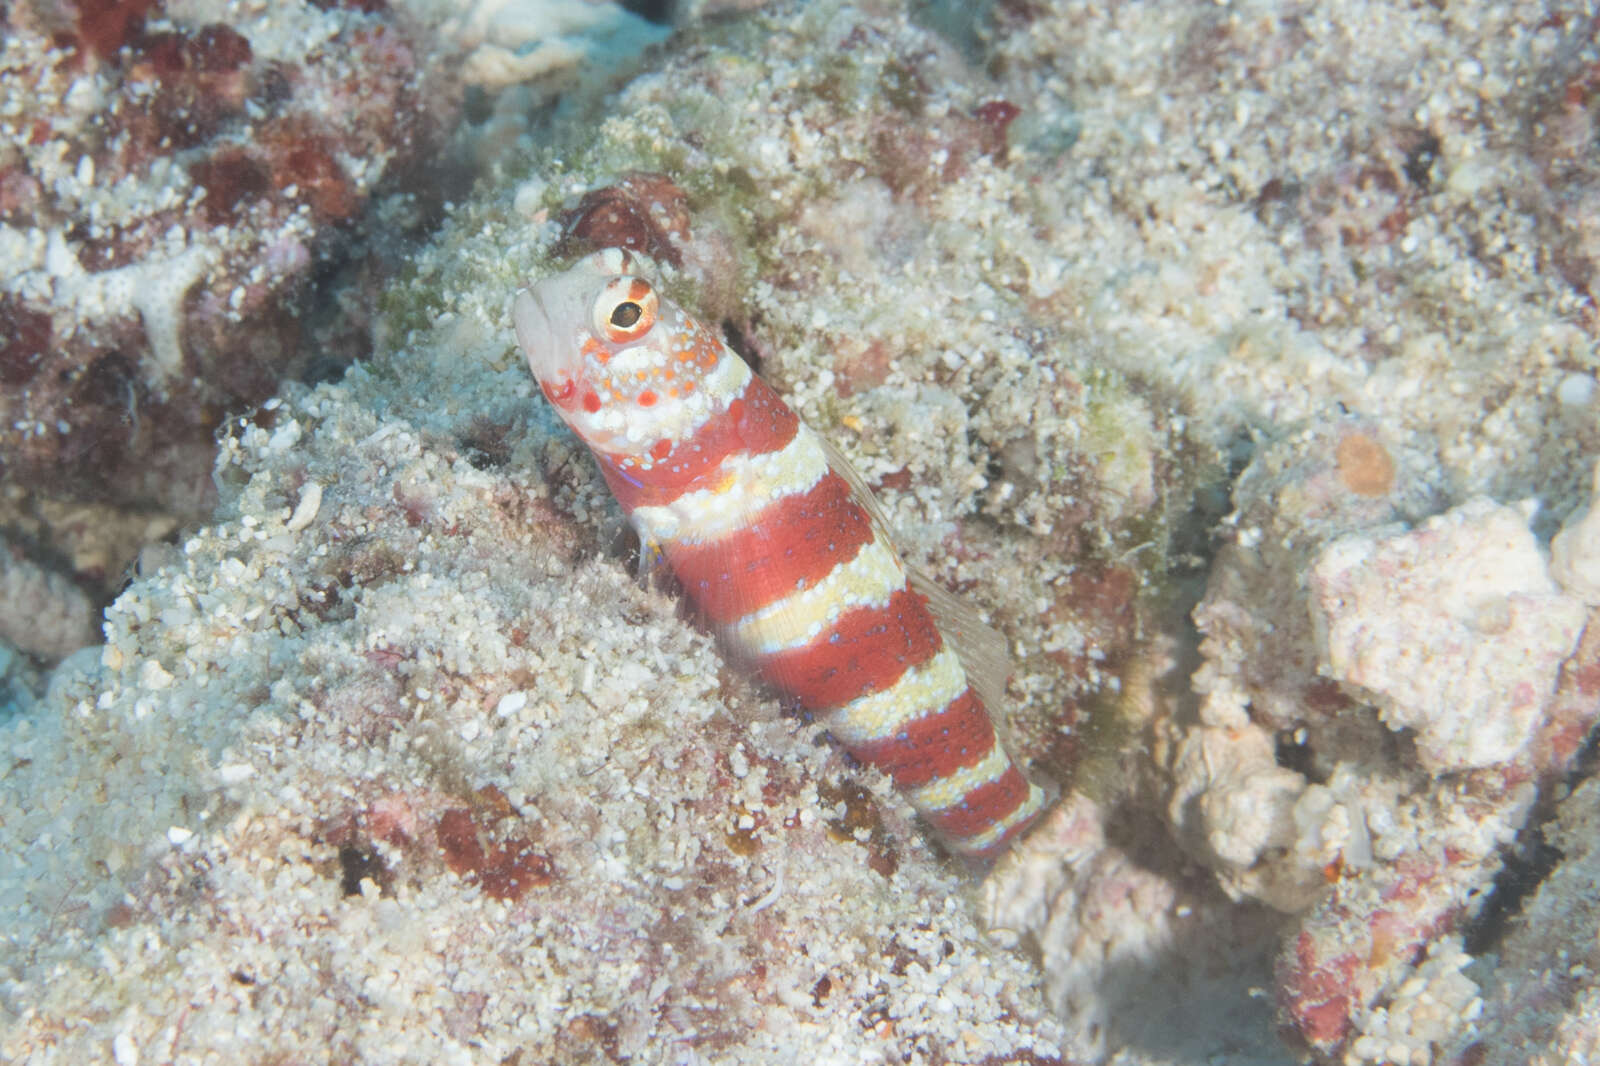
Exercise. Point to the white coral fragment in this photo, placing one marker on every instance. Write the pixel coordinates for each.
(305, 512)
(1234, 805)
(1243, 796)
(1429, 1009)
(1455, 630)
(155, 286)
(516, 41)
(1575, 552)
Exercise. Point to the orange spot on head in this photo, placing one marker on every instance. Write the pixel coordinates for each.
(591, 402)
(688, 387)
(638, 290)
(647, 398)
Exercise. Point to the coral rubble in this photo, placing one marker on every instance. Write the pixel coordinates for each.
(171, 183)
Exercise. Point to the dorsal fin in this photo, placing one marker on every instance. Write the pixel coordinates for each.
(858, 488)
(983, 651)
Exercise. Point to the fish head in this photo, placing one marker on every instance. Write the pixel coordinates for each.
(610, 354)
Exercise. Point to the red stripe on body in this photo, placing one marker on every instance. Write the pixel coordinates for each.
(756, 422)
(935, 745)
(799, 539)
(1004, 840)
(983, 806)
(1008, 836)
(866, 651)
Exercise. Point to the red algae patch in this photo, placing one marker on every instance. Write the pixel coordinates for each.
(167, 194)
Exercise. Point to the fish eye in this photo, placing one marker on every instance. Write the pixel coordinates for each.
(625, 310)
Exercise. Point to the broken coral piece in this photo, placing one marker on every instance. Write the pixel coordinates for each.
(1575, 551)
(1455, 630)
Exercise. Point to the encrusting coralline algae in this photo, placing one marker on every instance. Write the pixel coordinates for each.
(396, 763)
(177, 182)
(172, 176)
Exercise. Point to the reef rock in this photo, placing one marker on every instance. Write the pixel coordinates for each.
(1539, 1003)
(1575, 551)
(169, 182)
(1456, 630)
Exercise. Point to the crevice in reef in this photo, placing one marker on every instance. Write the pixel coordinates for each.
(1530, 860)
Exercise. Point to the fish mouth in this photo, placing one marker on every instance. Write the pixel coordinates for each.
(551, 362)
(534, 335)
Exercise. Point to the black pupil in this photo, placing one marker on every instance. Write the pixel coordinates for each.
(626, 314)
